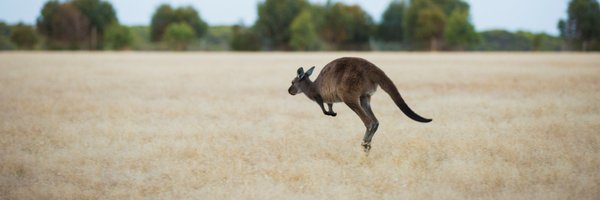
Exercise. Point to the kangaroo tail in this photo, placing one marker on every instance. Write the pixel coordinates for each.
(388, 86)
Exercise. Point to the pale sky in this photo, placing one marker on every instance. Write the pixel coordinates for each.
(529, 15)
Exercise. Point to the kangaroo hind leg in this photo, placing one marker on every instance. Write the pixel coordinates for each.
(365, 103)
(354, 104)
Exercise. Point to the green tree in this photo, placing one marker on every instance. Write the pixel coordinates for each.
(431, 26)
(425, 21)
(64, 26)
(117, 37)
(165, 15)
(75, 24)
(304, 35)
(411, 23)
(5, 43)
(274, 20)
(562, 28)
(141, 38)
(565, 34)
(46, 22)
(392, 22)
(449, 6)
(244, 39)
(179, 35)
(162, 17)
(100, 15)
(459, 32)
(346, 27)
(190, 16)
(25, 37)
(582, 27)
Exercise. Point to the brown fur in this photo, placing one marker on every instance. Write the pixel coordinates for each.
(352, 81)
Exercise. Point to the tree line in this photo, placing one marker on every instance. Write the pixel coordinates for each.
(295, 25)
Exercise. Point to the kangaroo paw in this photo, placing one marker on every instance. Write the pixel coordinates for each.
(366, 146)
(333, 114)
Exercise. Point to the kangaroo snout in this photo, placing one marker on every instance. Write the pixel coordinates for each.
(292, 91)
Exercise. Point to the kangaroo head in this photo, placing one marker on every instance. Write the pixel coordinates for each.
(301, 81)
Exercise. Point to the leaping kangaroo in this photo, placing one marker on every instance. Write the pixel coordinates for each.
(353, 81)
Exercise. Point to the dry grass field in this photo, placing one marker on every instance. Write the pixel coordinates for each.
(80, 125)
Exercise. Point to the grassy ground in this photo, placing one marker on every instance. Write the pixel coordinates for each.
(221, 125)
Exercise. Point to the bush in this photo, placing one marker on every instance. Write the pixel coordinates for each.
(274, 20)
(165, 15)
(459, 32)
(117, 37)
(24, 37)
(5, 43)
(179, 35)
(391, 28)
(304, 33)
(244, 39)
(501, 40)
(217, 38)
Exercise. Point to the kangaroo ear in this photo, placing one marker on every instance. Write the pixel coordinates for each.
(300, 73)
(310, 71)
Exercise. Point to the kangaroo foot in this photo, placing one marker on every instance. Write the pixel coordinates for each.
(366, 146)
(333, 114)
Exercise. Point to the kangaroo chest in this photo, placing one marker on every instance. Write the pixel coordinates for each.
(329, 94)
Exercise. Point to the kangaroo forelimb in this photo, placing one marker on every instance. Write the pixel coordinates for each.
(319, 101)
(330, 111)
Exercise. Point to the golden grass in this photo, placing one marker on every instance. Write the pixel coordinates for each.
(222, 126)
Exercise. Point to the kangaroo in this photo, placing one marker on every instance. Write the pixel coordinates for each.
(352, 81)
